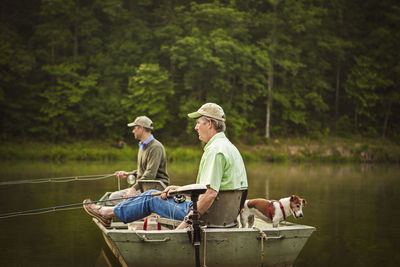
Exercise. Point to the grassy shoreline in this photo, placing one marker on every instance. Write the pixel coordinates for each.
(285, 150)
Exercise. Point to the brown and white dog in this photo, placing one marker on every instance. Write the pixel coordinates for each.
(271, 210)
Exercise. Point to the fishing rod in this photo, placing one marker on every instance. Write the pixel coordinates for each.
(69, 206)
(59, 179)
(131, 179)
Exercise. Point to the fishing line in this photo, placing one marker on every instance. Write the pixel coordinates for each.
(59, 179)
(57, 208)
(66, 207)
(8, 215)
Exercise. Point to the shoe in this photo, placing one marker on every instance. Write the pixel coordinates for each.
(93, 210)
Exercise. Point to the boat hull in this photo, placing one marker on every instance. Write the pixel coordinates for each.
(219, 247)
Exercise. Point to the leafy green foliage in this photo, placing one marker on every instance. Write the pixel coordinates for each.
(83, 69)
(149, 92)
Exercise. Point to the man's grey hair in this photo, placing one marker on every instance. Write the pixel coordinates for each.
(219, 126)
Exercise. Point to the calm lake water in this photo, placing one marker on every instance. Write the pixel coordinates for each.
(353, 207)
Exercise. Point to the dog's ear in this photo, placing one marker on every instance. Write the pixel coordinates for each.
(304, 202)
(293, 198)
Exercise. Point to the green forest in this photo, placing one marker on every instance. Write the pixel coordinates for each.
(82, 69)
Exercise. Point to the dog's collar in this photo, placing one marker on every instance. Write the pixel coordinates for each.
(282, 209)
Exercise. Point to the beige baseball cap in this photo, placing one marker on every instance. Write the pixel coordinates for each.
(211, 110)
(142, 121)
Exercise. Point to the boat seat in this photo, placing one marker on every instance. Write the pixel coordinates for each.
(145, 185)
(225, 209)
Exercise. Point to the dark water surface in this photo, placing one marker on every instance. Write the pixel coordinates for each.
(353, 207)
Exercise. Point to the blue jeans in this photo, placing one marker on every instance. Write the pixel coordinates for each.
(144, 204)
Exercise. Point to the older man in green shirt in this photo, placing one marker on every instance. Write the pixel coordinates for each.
(221, 168)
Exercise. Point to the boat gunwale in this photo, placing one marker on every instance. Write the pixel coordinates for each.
(208, 230)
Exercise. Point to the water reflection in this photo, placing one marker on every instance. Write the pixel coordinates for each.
(106, 258)
(352, 206)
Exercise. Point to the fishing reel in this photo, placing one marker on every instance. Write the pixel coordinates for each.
(132, 177)
(179, 198)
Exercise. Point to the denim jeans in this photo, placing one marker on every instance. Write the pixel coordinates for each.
(144, 204)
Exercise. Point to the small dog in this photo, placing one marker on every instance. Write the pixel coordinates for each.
(270, 210)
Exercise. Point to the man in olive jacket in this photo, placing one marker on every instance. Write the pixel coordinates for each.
(152, 160)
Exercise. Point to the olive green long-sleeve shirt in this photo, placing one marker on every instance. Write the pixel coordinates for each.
(152, 163)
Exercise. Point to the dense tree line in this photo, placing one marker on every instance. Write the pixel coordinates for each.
(81, 69)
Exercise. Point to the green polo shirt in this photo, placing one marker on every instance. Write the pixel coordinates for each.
(221, 166)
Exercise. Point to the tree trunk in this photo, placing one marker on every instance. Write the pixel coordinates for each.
(53, 53)
(356, 118)
(271, 75)
(386, 120)
(269, 100)
(76, 29)
(337, 93)
(76, 39)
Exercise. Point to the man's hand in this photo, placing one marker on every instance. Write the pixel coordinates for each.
(121, 174)
(165, 194)
(184, 224)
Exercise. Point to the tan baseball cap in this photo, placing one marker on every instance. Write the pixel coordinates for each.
(211, 110)
(142, 121)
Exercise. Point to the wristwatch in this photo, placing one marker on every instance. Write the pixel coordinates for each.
(188, 219)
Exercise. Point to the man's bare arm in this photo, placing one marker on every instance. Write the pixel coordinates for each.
(206, 200)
